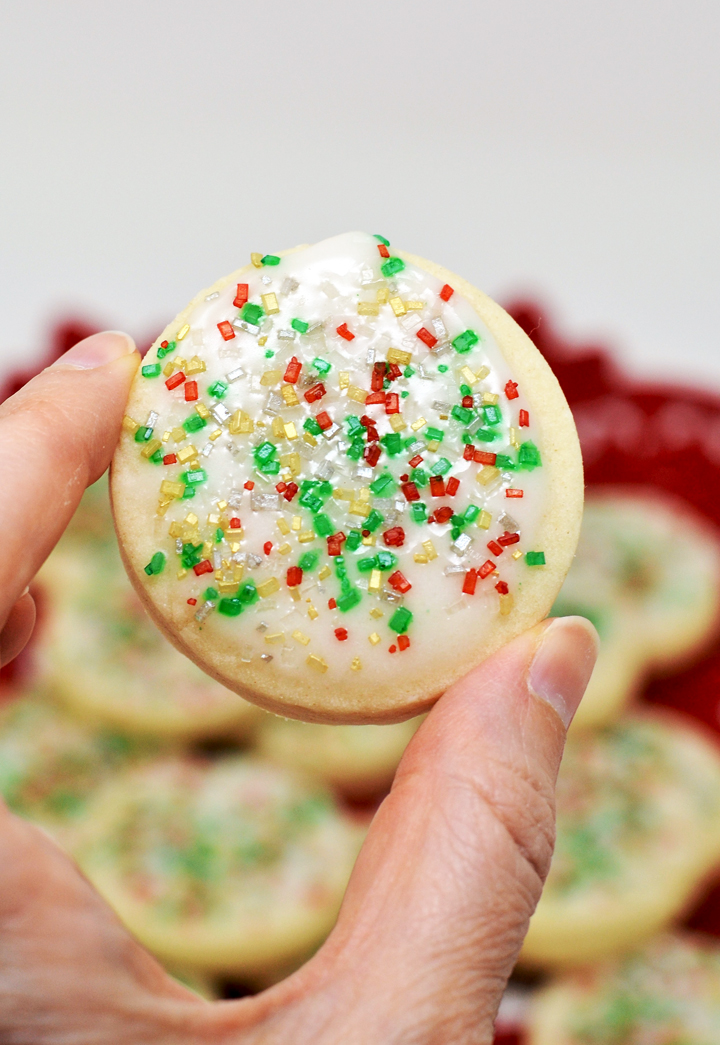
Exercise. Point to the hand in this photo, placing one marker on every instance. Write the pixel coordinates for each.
(451, 870)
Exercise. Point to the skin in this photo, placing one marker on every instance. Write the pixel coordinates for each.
(449, 875)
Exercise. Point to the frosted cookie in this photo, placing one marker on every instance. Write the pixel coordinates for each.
(231, 867)
(647, 574)
(51, 764)
(638, 827)
(357, 760)
(668, 994)
(345, 477)
(102, 656)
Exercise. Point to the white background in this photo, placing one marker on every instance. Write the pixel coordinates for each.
(567, 148)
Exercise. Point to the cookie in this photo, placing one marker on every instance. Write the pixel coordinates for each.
(666, 994)
(357, 760)
(638, 828)
(103, 658)
(647, 574)
(345, 478)
(231, 867)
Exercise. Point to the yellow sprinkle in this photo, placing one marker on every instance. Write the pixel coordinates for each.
(262, 340)
(490, 398)
(256, 259)
(432, 445)
(364, 493)
(289, 395)
(483, 373)
(486, 474)
(277, 636)
(129, 425)
(283, 526)
(175, 530)
(374, 639)
(376, 614)
(296, 522)
(215, 435)
(186, 454)
(398, 306)
(355, 664)
(359, 508)
(306, 537)
(317, 662)
(414, 306)
(397, 423)
(343, 380)
(375, 582)
(429, 550)
(180, 363)
(270, 303)
(469, 377)
(368, 308)
(270, 378)
(194, 465)
(196, 366)
(222, 505)
(238, 570)
(514, 438)
(202, 410)
(324, 572)
(517, 554)
(417, 425)
(165, 436)
(369, 542)
(299, 637)
(178, 434)
(284, 548)
(227, 587)
(152, 447)
(382, 295)
(419, 557)
(172, 489)
(183, 331)
(506, 604)
(191, 519)
(181, 574)
(268, 587)
(291, 461)
(397, 356)
(241, 424)
(294, 594)
(359, 395)
(341, 493)
(484, 520)
(278, 427)
(312, 612)
(291, 430)
(168, 368)
(310, 439)
(163, 507)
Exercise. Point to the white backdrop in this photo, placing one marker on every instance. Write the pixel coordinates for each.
(571, 149)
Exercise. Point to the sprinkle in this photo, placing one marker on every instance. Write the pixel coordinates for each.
(183, 331)
(343, 331)
(300, 637)
(270, 304)
(324, 572)
(226, 330)
(523, 419)
(355, 664)
(398, 306)
(156, 564)
(391, 267)
(535, 558)
(511, 391)
(268, 587)
(400, 620)
(374, 639)
(397, 356)
(129, 425)
(270, 259)
(487, 474)
(368, 308)
(426, 337)
(506, 604)
(447, 292)
(510, 492)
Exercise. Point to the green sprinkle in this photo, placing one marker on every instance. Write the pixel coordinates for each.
(442, 369)
(465, 390)
(265, 451)
(465, 341)
(486, 435)
(387, 383)
(189, 492)
(400, 620)
(404, 394)
(310, 425)
(420, 477)
(535, 558)
(151, 370)
(529, 456)
(219, 535)
(156, 564)
(493, 414)
(353, 425)
(210, 593)
(230, 607)
(252, 313)
(348, 600)
(162, 352)
(434, 435)
(194, 423)
(471, 513)
(367, 564)
(143, 435)
(354, 540)
(385, 242)
(321, 365)
(393, 443)
(462, 414)
(373, 520)
(356, 450)
(418, 511)
(247, 593)
(382, 486)
(311, 501)
(467, 438)
(194, 477)
(503, 461)
(408, 371)
(218, 390)
(157, 457)
(308, 561)
(300, 325)
(190, 555)
(269, 354)
(271, 259)
(323, 525)
(386, 560)
(441, 466)
(392, 266)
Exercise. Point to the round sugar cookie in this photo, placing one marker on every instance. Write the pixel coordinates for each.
(103, 658)
(231, 867)
(666, 994)
(357, 760)
(647, 574)
(638, 828)
(345, 478)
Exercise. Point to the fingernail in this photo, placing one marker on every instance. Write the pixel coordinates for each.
(97, 350)
(563, 664)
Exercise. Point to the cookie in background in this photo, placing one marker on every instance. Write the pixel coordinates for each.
(647, 574)
(666, 994)
(104, 659)
(233, 867)
(638, 830)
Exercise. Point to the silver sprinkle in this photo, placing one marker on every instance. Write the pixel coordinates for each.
(287, 335)
(439, 329)
(450, 570)
(217, 559)
(262, 627)
(178, 546)
(274, 404)
(332, 431)
(443, 408)
(420, 371)
(253, 561)
(204, 611)
(235, 498)
(249, 328)
(235, 374)
(266, 657)
(329, 289)
(246, 653)
(152, 419)
(325, 471)
(508, 523)
(211, 297)
(289, 285)
(264, 502)
(221, 413)
(207, 449)
(266, 280)
(370, 356)
(416, 447)
(461, 544)
(363, 472)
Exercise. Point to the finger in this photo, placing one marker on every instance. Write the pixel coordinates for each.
(18, 628)
(57, 435)
(454, 862)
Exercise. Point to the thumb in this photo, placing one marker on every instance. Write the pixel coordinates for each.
(455, 860)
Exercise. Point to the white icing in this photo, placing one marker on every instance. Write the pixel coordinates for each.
(323, 285)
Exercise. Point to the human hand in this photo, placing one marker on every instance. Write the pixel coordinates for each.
(451, 870)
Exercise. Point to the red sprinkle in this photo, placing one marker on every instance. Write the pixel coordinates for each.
(191, 391)
(324, 420)
(163, 344)
(486, 569)
(294, 576)
(375, 397)
(192, 602)
(513, 493)
(372, 454)
(442, 515)
(447, 292)
(470, 582)
(403, 642)
(468, 451)
(437, 486)
(392, 403)
(484, 457)
(394, 537)
(394, 372)
(508, 539)
(392, 649)
(226, 330)
(344, 332)
(267, 547)
(399, 582)
(416, 461)
(170, 459)
(335, 543)
(242, 295)
(502, 587)
(203, 567)
(281, 487)
(235, 523)
(453, 485)
(316, 392)
(341, 634)
(384, 252)
(332, 603)
(175, 380)
(365, 533)
(426, 337)
(511, 391)
(495, 548)
(292, 371)
(290, 491)
(467, 402)
(377, 377)
(524, 419)
(249, 485)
